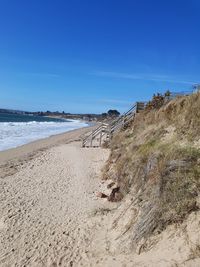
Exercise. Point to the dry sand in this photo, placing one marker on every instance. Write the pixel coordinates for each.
(50, 216)
(47, 195)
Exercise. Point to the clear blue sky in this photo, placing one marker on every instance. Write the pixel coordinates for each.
(92, 55)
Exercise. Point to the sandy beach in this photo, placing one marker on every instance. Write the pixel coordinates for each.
(47, 195)
(50, 214)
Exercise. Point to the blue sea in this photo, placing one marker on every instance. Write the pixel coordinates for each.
(17, 130)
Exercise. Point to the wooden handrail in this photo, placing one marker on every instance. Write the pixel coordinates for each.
(95, 133)
(114, 126)
(100, 126)
(124, 114)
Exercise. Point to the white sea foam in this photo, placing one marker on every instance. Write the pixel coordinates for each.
(13, 134)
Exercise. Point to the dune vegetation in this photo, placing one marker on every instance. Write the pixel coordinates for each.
(155, 162)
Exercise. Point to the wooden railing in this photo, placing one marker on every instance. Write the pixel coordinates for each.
(99, 130)
(182, 93)
(107, 130)
(127, 116)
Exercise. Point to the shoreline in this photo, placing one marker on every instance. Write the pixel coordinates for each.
(11, 157)
(15, 133)
(48, 201)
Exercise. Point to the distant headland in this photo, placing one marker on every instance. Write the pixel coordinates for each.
(56, 114)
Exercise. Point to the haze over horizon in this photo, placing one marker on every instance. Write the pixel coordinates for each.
(89, 56)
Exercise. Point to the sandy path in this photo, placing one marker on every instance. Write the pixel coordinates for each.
(45, 207)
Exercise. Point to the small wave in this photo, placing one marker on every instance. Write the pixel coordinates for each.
(13, 134)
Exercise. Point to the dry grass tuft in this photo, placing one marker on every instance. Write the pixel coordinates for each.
(165, 176)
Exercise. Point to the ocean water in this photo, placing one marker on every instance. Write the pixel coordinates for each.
(17, 130)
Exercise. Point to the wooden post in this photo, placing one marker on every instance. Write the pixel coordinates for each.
(91, 140)
(123, 121)
(136, 109)
(100, 137)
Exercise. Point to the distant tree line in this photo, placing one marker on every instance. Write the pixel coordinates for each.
(111, 113)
